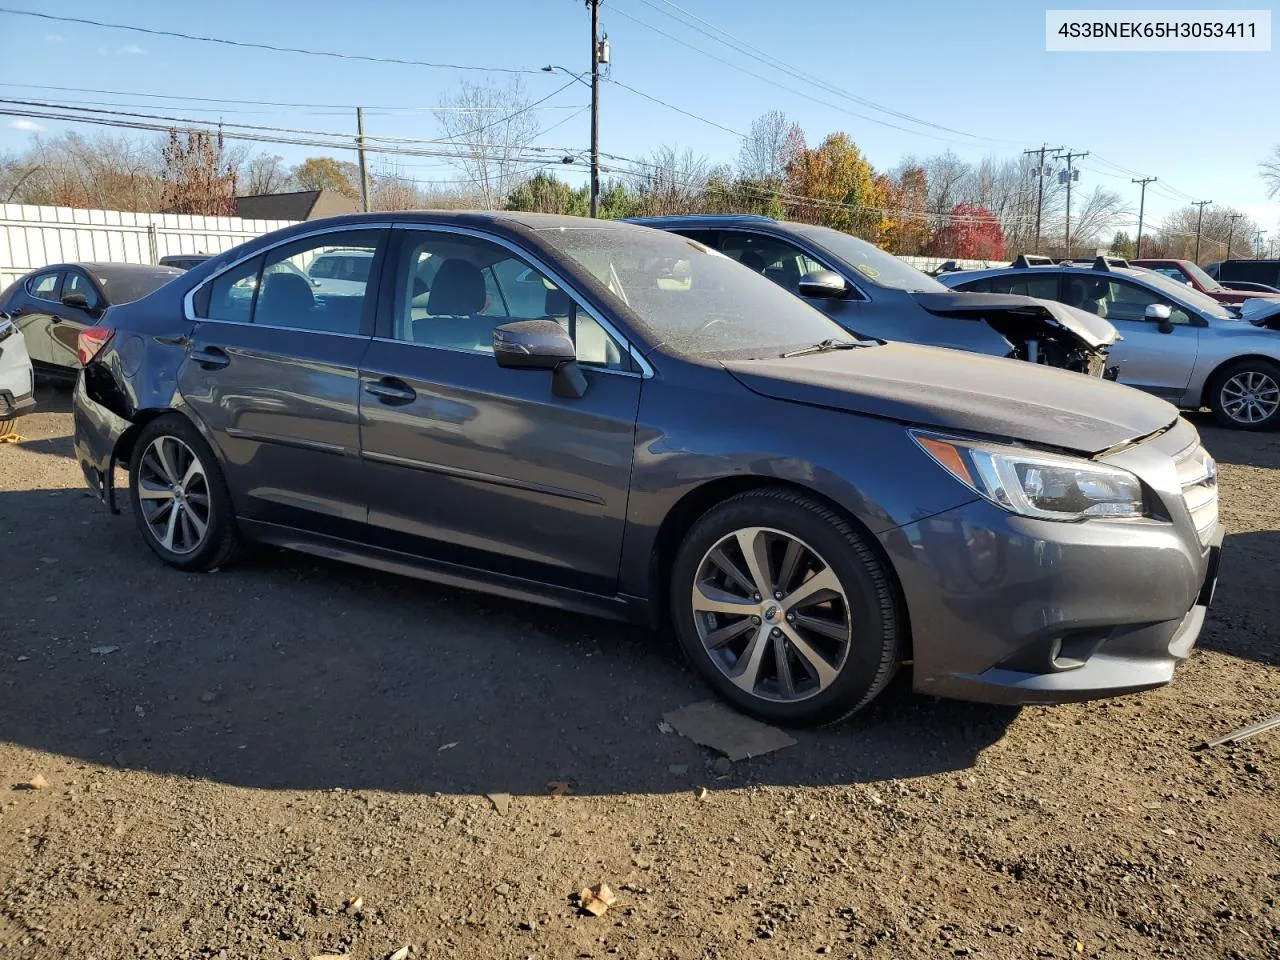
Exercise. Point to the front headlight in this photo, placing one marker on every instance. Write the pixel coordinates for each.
(1035, 484)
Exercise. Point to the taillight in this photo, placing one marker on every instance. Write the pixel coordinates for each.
(91, 342)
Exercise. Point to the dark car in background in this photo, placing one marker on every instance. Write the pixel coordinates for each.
(1184, 271)
(185, 261)
(1227, 272)
(621, 421)
(51, 306)
(872, 293)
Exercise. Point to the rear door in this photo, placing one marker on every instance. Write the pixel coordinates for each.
(474, 464)
(273, 374)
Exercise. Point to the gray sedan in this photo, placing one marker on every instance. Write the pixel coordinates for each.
(1177, 343)
(621, 421)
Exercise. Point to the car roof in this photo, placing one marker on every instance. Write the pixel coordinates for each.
(702, 219)
(109, 270)
(1074, 268)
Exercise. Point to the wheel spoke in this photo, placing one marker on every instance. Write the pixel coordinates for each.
(172, 526)
(167, 468)
(732, 571)
(755, 550)
(817, 588)
(149, 490)
(198, 526)
(822, 670)
(790, 564)
(193, 471)
(828, 628)
(711, 599)
(746, 672)
(786, 682)
(725, 635)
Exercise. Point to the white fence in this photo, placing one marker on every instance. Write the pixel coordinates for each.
(32, 237)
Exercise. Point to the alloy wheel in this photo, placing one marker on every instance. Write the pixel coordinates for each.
(173, 494)
(1250, 397)
(771, 614)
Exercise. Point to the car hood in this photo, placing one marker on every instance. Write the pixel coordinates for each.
(1094, 331)
(965, 392)
(1263, 313)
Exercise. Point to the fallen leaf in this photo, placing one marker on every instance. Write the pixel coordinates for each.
(13, 438)
(102, 651)
(702, 793)
(596, 900)
(501, 802)
(664, 727)
(559, 788)
(353, 905)
(38, 782)
(400, 954)
(447, 746)
(1079, 947)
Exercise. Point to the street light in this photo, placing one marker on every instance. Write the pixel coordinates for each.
(594, 191)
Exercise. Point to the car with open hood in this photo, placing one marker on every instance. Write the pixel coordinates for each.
(622, 421)
(1177, 343)
(872, 293)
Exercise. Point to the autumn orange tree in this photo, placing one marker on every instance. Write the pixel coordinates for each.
(197, 177)
(833, 184)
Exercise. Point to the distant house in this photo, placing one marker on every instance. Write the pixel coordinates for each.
(301, 205)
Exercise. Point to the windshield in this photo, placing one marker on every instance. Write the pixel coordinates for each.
(127, 286)
(882, 269)
(1185, 294)
(1202, 278)
(692, 300)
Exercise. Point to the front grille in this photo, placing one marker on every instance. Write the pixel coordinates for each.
(1198, 477)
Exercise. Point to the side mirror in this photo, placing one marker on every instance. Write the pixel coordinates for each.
(541, 345)
(823, 285)
(1160, 313)
(77, 300)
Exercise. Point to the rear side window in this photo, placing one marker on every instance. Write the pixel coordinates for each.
(44, 286)
(1026, 285)
(975, 286)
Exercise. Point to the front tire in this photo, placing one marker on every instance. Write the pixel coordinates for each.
(785, 609)
(1246, 395)
(6, 425)
(179, 497)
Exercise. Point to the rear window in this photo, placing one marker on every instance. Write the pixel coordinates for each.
(127, 286)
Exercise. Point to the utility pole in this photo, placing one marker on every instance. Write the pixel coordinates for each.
(595, 106)
(1040, 152)
(1199, 223)
(364, 167)
(1231, 232)
(1069, 156)
(1142, 205)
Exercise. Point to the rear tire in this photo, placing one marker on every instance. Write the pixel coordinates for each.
(6, 426)
(784, 608)
(1245, 395)
(179, 497)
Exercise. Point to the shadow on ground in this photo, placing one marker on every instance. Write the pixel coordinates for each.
(286, 672)
(1242, 621)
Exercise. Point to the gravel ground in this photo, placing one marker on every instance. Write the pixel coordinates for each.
(262, 744)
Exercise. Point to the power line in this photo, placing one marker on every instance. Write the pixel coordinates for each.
(672, 106)
(254, 45)
(755, 53)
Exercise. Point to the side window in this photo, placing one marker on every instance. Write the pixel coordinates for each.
(1173, 273)
(453, 290)
(1024, 285)
(781, 262)
(78, 283)
(979, 286)
(44, 286)
(288, 296)
(230, 296)
(1118, 299)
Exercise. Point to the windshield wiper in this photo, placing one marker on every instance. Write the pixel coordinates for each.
(831, 343)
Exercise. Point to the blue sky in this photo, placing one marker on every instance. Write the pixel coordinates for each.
(1198, 121)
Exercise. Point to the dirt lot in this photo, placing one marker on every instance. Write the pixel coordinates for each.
(262, 743)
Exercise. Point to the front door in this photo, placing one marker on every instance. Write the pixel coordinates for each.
(35, 314)
(474, 464)
(273, 374)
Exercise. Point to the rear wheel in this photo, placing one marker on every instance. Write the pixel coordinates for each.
(785, 609)
(6, 425)
(1246, 395)
(179, 498)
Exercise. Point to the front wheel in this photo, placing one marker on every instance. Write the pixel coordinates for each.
(1246, 395)
(785, 609)
(179, 498)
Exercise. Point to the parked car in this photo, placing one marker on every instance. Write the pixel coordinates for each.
(51, 306)
(874, 294)
(1184, 271)
(341, 272)
(1177, 343)
(1228, 272)
(17, 382)
(184, 261)
(672, 440)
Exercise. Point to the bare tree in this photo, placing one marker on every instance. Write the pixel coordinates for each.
(771, 143)
(1269, 170)
(1096, 215)
(1177, 233)
(198, 178)
(945, 173)
(669, 181)
(265, 173)
(489, 128)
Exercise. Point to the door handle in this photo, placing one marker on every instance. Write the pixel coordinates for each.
(392, 391)
(211, 358)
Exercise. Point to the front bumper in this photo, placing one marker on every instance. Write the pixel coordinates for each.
(1010, 610)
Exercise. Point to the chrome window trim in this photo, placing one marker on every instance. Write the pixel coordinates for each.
(274, 326)
(805, 247)
(188, 299)
(624, 344)
(481, 353)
